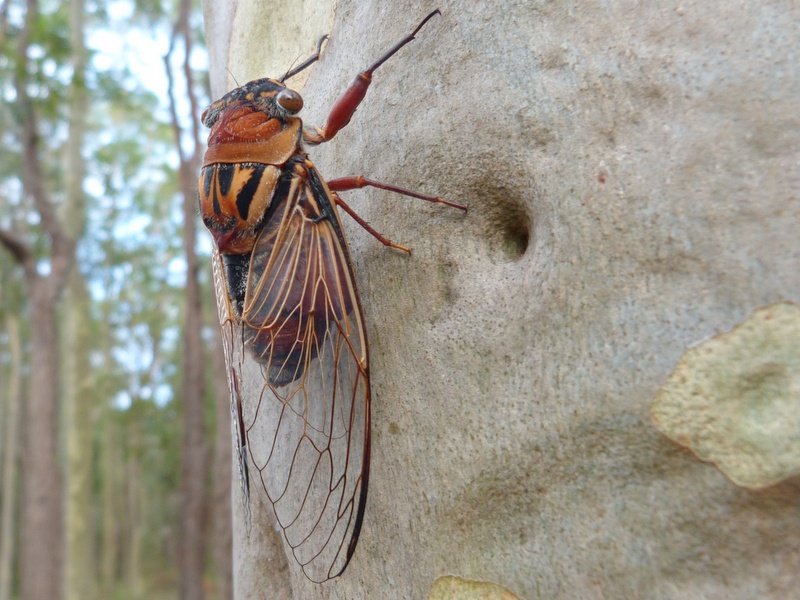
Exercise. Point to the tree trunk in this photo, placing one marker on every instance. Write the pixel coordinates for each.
(194, 456)
(134, 512)
(194, 474)
(11, 436)
(79, 564)
(222, 515)
(631, 172)
(42, 523)
(113, 505)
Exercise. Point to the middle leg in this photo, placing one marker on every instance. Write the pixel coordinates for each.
(343, 184)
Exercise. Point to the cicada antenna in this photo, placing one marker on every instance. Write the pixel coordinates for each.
(232, 76)
(306, 63)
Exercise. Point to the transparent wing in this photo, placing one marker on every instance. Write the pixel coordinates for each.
(308, 428)
(229, 327)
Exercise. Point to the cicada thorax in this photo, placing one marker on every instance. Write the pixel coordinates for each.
(247, 150)
(253, 134)
(252, 138)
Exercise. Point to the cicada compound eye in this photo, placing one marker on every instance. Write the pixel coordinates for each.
(290, 100)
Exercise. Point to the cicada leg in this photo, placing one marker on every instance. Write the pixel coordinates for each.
(307, 62)
(382, 239)
(345, 107)
(343, 184)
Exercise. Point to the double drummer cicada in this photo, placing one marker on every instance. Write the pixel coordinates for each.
(290, 312)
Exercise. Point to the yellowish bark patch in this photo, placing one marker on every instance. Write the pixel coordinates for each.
(734, 400)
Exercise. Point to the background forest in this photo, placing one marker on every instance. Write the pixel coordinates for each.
(114, 451)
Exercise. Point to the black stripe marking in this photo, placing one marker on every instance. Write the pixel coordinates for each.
(245, 196)
(214, 198)
(323, 201)
(225, 174)
(208, 175)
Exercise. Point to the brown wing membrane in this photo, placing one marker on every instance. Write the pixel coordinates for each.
(308, 431)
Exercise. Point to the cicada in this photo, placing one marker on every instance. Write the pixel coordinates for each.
(290, 312)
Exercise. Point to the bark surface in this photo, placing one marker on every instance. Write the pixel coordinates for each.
(631, 171)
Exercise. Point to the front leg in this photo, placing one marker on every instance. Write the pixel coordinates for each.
(345, 107)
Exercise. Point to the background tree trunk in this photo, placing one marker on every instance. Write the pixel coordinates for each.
(135, 508)
(42, 533)
(79, 563)
(113, 504)
(10, 452)
(194, 456)
(42, 493)
(222, 544)
(631, 171)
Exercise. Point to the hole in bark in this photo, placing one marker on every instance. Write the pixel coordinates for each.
(513, 228)
(516, 236)
(508, 212)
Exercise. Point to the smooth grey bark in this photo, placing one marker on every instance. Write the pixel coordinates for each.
(632, 172)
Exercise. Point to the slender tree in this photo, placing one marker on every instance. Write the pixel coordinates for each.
(10, 403)
(79, 566)
(41, 519)
(222, 515)
(11, 438)
(193, 492)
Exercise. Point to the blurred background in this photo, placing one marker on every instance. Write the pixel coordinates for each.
(114, 447)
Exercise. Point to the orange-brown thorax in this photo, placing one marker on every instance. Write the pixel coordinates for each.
(247, 149)
(245, 134)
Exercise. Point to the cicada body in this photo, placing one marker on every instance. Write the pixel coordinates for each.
(289, 307)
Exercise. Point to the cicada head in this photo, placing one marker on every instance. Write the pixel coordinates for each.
(265, 95)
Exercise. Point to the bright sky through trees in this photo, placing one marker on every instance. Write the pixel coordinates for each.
(133, 53)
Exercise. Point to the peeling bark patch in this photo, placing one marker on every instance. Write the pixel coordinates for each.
(450, 587)
(734, 400)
